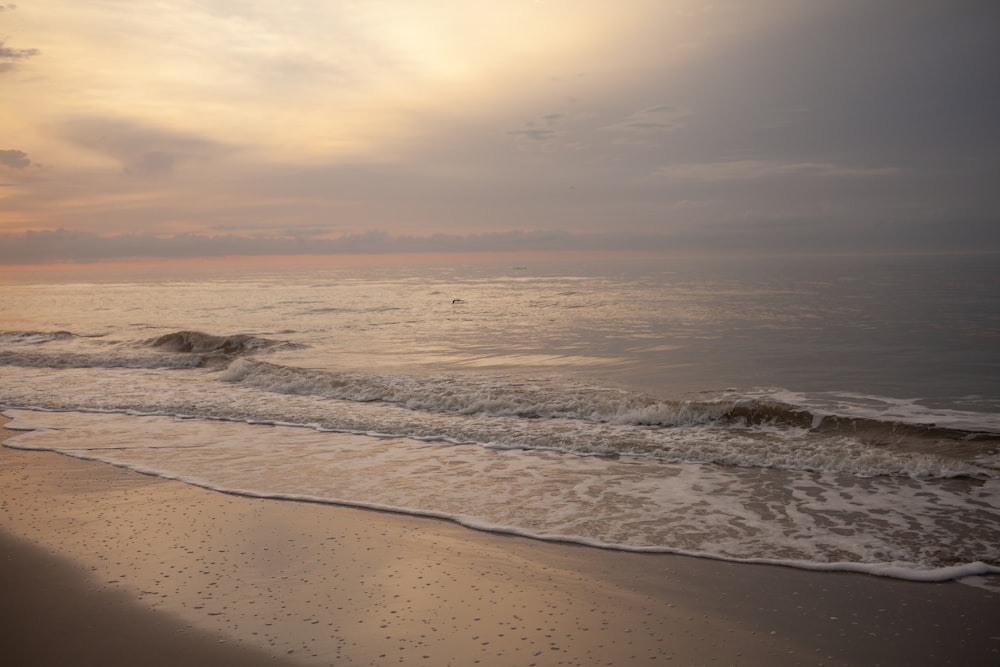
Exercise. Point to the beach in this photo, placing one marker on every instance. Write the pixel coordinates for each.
(104, 564)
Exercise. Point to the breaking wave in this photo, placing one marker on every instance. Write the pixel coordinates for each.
(493, 411)
(538, 400)
(599, 421)
(24, 338)
(196, 342)
(177, 350)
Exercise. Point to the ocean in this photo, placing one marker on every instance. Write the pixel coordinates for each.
(830, 413)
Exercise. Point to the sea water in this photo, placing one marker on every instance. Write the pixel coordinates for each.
(824, 412)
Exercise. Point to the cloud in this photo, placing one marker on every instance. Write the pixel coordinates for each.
(14, 159)
(71, 245)
(747, 170)
(641, 125)
(153, 162)
(141, 149)
(542, 131)
(895, 81)
(10, 57)
(833, 234)
(771, 235)
(303, 119)
(535, 133)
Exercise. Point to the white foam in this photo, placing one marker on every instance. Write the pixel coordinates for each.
(902, 529)
(183, 395)
(882, 408)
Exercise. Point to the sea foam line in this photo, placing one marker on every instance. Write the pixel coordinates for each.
(904, 571)
(897, 570)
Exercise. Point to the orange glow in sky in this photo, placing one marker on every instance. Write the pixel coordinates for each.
(698, 123)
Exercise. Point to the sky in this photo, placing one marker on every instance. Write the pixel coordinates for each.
(210, 127)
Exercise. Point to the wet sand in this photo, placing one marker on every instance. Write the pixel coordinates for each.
(99, 565)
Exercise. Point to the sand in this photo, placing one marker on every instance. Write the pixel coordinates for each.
(99, 565)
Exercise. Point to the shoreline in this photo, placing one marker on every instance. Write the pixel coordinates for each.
(283, 582)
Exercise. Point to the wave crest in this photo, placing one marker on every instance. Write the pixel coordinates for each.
(197, 342)
(33, 337)
(180, 349)
(593, 420)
